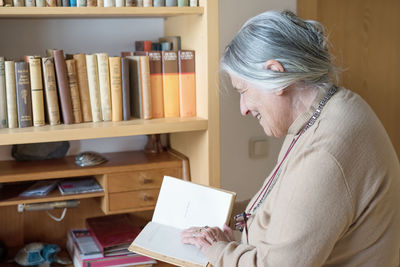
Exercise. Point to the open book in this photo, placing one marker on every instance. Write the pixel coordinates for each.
(181, 205)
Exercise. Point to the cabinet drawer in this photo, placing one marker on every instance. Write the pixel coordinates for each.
(133, 199)
(147, 179)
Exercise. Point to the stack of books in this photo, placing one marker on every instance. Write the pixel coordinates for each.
(105, 243)
(96, 87)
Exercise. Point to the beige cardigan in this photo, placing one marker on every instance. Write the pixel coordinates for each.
(336, 201)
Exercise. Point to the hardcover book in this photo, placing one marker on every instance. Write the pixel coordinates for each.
(73, 86)
(143, 45)
(187, 83)
(64, 91)
(170, 83)
(104, 82)
(126, 106)
(193, 205)
(81, 241)
(94, 88)
(116, 88)
(175, 42)
(24, 101)
(81, 72)
(3, 96)
(139, 78)
(79, 186)
(113, 233)
(156, 83)
(11, 92)
(50, 89)
(35, 71)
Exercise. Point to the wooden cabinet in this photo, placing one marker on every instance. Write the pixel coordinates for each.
(128, 187)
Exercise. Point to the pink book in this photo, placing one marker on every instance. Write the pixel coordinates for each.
(125, 260)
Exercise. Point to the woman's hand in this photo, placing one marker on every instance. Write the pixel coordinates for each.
(204, 237)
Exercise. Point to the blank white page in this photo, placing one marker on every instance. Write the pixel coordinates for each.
(183, 204)
(165, 240)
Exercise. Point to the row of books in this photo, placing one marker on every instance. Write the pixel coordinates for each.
(96, 87)
(105, 242)
(98, 3)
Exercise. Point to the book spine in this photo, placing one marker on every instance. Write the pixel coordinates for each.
(24, 102)
(120, 3)
(35, 71)
(73, 85)
(116, 88)
(81, 3)
(193, 3)
(126, 108)
(139, 3)
(147, 3)
(170, 2)
(50, 89)
(183, 3)
(40, 3)
(66, 3)
(143, 46)
(100, 3)
(63, 87)
(51, 3)
(81, 71)
(8, 3)
(18, 3)
(157, 3)
(156, 84)
(129, 3)
(134, 80)
(187, 83)
(3, 95)
(109, 3)
(104, 82)
(91, 3)
(11, 92)
(94, 88)
(170, 83)
(72, 3)
(30, 3)
(145, 87)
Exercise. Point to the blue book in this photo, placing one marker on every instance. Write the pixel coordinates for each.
(72, 2)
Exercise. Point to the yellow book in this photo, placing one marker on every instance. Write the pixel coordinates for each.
(35, 71)
(116, 88)
(170, 83)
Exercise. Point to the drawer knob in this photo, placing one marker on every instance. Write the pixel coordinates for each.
(147, 181)
(148, 198)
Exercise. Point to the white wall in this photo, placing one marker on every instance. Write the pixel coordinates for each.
(239, 172)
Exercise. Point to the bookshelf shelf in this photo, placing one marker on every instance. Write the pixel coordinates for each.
(100, 130)
(97, 12)
(55, 195)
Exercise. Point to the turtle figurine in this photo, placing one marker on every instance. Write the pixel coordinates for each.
(39, 254)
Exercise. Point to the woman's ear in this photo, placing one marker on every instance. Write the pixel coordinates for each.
(273, 65)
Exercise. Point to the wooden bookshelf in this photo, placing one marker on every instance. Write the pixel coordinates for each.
(97, 12)
(197, 138)
(92, 130)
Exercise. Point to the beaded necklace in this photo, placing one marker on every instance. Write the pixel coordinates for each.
(241, 219)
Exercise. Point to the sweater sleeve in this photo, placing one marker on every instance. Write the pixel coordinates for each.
(312, 210)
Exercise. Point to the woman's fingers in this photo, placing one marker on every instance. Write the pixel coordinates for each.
(228, 233)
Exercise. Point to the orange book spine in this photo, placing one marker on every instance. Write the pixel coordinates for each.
(170, 83)
(187, 83)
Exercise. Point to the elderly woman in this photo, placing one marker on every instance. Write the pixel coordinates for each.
(333, 198)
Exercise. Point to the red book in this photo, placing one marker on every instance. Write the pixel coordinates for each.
(126, 260)
(114, 233)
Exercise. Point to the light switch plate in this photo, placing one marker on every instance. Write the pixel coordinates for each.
(258, 147)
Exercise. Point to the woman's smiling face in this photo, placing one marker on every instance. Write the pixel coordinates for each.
(270, 108)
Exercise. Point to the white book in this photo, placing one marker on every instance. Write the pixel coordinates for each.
(180, 205)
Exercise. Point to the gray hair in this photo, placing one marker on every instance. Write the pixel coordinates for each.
(299, 45)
